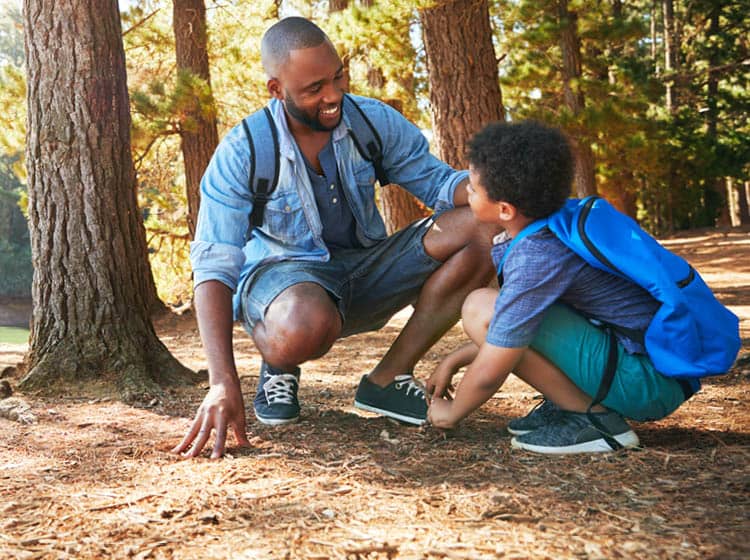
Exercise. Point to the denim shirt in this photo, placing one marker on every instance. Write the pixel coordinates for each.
(292, 229)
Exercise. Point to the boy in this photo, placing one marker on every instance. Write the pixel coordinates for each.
(540, 327)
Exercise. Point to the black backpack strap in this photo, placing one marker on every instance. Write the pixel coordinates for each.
(607, 377)
(366, 138)
(264, 161)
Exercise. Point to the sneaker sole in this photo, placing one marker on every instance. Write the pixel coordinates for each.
(276, 421)
(627, 439)
(390, 414)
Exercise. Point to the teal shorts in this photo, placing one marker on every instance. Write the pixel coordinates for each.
(580, 349)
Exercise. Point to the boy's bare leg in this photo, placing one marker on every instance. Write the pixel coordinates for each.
(533, 368)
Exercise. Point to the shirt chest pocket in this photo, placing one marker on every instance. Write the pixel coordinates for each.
(284, 218)
(364, 175)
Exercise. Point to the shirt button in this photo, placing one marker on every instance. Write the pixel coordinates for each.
(287, 208)
(335, 200)
(332, 187)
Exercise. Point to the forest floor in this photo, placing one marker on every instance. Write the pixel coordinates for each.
(93, 478)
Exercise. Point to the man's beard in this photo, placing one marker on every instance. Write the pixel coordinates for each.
(307, 120)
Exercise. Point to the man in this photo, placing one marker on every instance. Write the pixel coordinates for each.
(320, 266)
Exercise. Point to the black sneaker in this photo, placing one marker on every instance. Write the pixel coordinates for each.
(573, 432)
(402, 399)
(541, 415)
(276, 400)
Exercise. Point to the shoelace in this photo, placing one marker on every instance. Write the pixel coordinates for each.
(280, 388)
(411, 385)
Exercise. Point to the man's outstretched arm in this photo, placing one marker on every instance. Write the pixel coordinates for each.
(223, 406)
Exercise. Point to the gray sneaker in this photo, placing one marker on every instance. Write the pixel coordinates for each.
(573, 432)
(541, 415)
(402, 399)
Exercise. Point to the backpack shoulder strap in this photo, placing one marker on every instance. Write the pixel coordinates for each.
(264, 160)
(533, 227)
(366, 138)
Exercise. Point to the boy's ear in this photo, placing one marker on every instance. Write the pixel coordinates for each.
(506, 211)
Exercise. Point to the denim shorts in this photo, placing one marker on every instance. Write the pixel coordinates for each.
(368, 285)
(580, 350)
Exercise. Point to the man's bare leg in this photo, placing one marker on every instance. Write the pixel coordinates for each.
(463, 245)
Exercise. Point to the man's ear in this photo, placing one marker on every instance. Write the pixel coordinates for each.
(506, 211)
(274, 88)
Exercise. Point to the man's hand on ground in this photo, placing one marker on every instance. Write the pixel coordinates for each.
(222, 407)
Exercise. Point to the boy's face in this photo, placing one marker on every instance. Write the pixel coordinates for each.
(483, 207)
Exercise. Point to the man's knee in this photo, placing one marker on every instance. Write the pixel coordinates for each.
(458, 231)
(301, 324)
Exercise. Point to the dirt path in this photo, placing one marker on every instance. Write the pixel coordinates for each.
(93, 479)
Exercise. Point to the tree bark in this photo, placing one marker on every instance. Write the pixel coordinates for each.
(398, 206)
(90, 316)
(198, 133)
(462, 68)
(570, 44)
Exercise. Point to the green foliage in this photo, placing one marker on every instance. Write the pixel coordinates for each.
(668, 161)
(161, 99)
(376, 44)
(15, 250)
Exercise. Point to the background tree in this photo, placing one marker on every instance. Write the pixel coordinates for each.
(91, 285)
(15, 250)
(584, 179)
(464, 89)
(197, 117)
(374, 42)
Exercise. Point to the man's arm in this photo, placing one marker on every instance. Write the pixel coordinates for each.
(223, 406)
(482, 379)
(461, 195)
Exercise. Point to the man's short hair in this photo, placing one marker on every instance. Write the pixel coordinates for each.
(527, 164)
(287, 35)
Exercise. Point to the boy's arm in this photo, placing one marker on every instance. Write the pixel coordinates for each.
(483, 378)
(440, 381)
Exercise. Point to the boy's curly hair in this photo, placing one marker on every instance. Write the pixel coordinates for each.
(526, 164)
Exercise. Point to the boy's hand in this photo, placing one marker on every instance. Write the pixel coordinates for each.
(440, 414)
(439, 384)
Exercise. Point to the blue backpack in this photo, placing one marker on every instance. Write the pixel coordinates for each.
(692, 335)
(264, 152)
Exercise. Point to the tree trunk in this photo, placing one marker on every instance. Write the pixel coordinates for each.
(90, 315)
(585, 172)
(671, 61)
(652, 30)
(712, 115)
(198, 133)
(337, 5)
(741, 190)
(464, 87)
(398, 206)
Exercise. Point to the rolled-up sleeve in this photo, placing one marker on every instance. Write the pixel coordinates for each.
(223, 218)
(216, 261)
